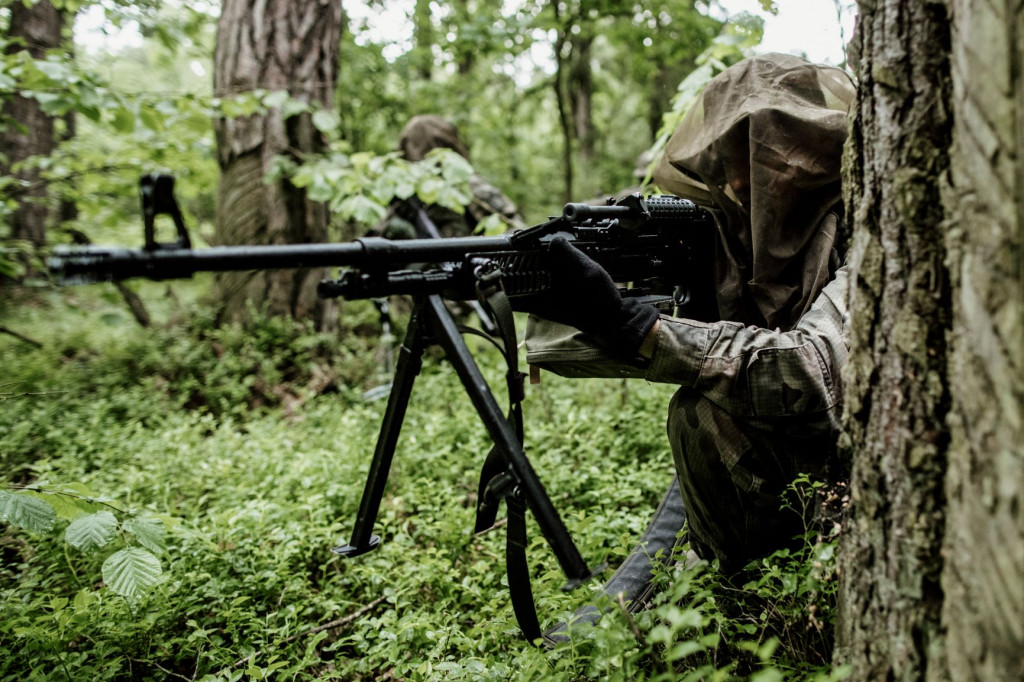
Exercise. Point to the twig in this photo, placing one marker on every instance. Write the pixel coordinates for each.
(20, 337)
(340, 622)
(12, 396)
(637, 635)
(65, 493)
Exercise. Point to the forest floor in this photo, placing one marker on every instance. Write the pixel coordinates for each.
(199, 476)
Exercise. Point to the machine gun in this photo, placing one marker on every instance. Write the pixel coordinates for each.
(652, 245)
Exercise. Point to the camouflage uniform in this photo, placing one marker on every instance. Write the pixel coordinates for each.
(427, 132)
(759, 397)
(756, 408)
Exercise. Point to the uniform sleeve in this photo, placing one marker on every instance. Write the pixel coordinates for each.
(755, 372)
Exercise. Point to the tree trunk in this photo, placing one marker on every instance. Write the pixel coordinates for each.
(29, 132)
(273, 45)
(983, 580)
(932, 585)
(424, 39)
(581, 96)
(558, 83)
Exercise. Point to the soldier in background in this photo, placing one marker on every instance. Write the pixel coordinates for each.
(427, 132)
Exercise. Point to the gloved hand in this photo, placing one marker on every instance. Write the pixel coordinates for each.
(583, 295)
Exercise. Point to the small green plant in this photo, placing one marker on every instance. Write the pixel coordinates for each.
(94, 524)
(773, 621)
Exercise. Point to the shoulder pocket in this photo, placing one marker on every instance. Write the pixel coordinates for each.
(789, 381)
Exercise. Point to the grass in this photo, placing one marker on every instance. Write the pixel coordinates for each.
(250, 447)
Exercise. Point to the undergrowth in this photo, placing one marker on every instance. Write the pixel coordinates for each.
(235, 458)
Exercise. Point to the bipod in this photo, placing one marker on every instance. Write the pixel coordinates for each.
(517, 483)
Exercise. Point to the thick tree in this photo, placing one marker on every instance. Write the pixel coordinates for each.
(933, 557)
(28, 131)
(272, 45)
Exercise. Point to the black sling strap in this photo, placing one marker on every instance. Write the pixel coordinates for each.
(496, 480)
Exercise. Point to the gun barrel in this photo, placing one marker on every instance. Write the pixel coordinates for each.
(577, 212)
(102, 264)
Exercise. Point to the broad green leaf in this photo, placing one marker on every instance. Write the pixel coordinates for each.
(429, 190)
(131, 572)
(294, 107)
(29, 512)
(275, 99)
(148, 531)
(91, 531)
(151, 118)
(124, 120)
(454, 168)
(53, 104)
(361, 209)
(84, 599)
(54, 69)
(492, 226)
(91, 113)
(325, 121)
(684, 649)
(453, 198)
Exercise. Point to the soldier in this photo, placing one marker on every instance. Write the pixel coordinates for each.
(427, 132)
(759, 396)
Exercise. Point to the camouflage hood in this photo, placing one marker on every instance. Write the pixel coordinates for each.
(762, 148)
(426, 132)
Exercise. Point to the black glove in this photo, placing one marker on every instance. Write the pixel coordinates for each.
(583, 295)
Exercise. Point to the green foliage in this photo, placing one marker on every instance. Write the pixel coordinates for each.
(359, 187)
(170, 497)
(207, 555)
(129, 572)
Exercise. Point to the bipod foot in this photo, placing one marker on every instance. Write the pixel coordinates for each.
(350, 550)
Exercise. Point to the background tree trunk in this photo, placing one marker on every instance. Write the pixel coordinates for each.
(29, 131)
(565, 124)
(424, 38)
(932, 585)
(581, 96)
(274, 45)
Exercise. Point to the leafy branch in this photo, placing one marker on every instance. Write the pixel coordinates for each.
(94, 523)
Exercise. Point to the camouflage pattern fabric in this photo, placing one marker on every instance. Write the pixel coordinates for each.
(761, 148)
(428, 132)
(755, 408)
(733, 474)
(759, 397)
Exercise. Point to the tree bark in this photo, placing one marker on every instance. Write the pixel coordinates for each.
(581, 96)
(896, 379)
(274, 45)
(29, 132)
(983, 580)
(558, 83)
(932, 561)
(424, 40)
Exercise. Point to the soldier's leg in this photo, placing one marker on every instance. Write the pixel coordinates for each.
(732, 476)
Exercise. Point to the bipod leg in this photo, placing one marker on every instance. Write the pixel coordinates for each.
(447, 335)
(410, 360)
